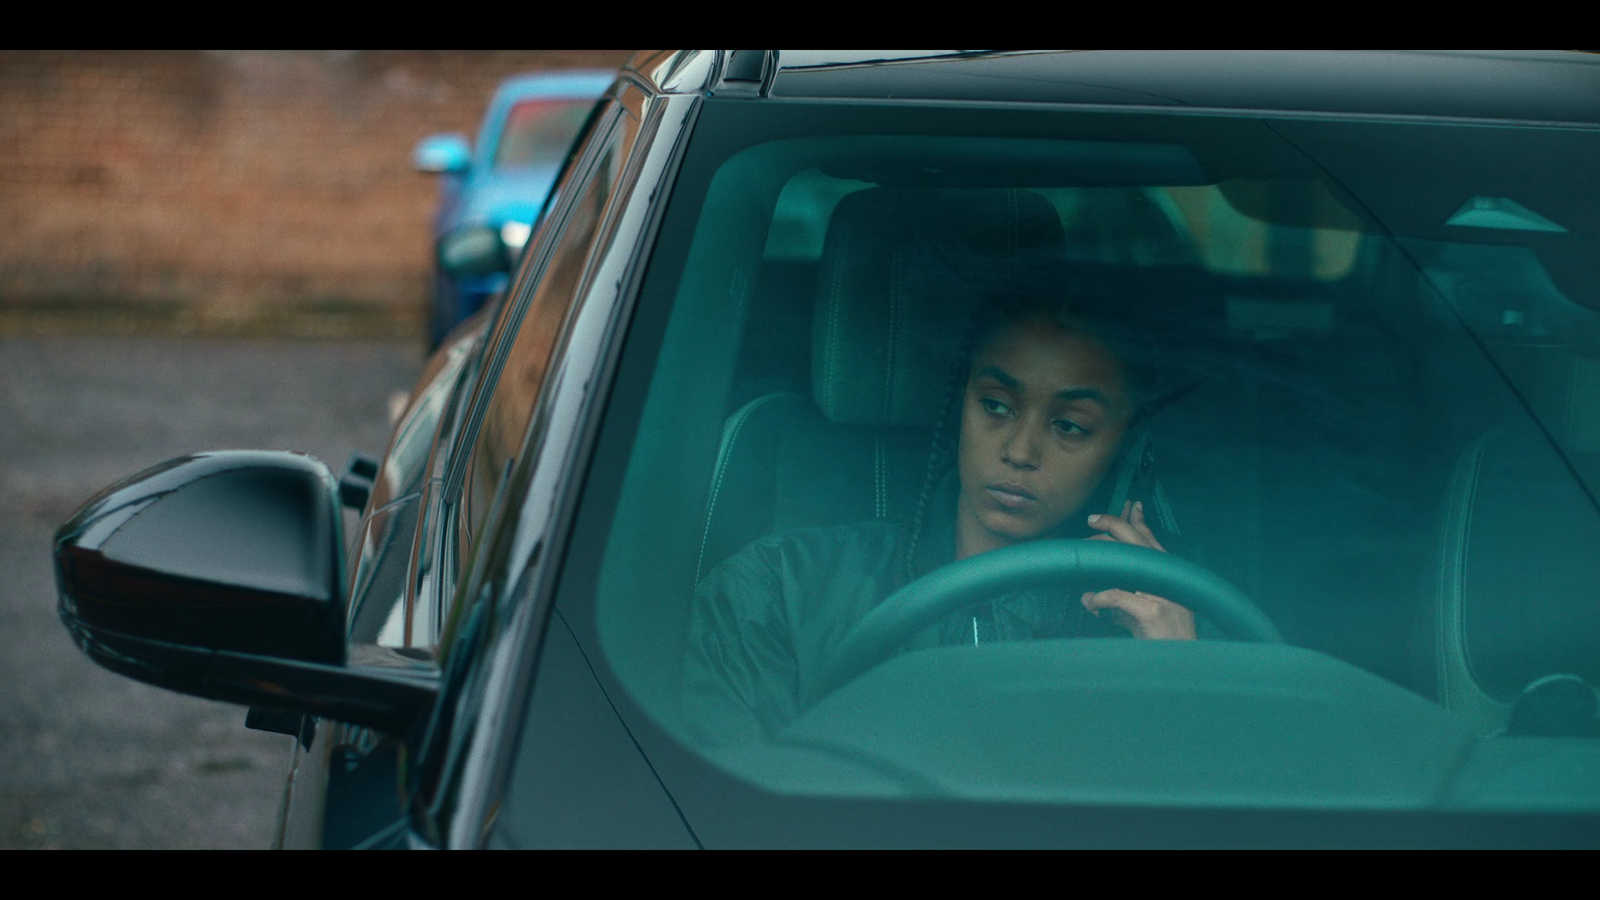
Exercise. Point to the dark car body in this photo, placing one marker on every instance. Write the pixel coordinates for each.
(517, 600)
(501, 183)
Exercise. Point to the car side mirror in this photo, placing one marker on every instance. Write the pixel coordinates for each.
(222, 575)
(442, 154)
(474, 251)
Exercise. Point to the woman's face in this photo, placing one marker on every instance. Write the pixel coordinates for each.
(1044, 413)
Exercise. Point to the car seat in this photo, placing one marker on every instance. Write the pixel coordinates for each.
(900, 273)
(1512, 600)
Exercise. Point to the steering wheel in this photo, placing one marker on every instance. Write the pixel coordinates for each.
(1099, 564)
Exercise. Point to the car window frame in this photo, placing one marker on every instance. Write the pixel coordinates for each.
(571, 250)
(469, 675)
(425, 584)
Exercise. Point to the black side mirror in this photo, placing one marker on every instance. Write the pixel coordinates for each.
(475, 251)
(222, 575)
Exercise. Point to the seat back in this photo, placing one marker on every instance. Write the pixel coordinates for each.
(1513, 598)
(899, 276)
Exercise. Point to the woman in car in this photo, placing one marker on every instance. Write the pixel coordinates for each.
(1045, 402)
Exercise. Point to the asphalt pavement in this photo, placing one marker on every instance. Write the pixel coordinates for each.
(89, 759)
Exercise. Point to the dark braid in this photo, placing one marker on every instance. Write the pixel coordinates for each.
(938, 450)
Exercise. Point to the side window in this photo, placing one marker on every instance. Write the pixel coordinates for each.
(596, 129)
(530, 331)
(560, 229)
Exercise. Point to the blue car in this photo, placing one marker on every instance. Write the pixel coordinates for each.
(494, 192)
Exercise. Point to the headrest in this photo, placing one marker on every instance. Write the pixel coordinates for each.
(901, 271)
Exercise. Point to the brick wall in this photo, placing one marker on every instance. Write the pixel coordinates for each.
(231, 179)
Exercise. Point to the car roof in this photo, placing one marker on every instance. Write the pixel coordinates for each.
(1543, 86)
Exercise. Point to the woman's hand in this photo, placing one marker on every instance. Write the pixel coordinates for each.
(1145, 615)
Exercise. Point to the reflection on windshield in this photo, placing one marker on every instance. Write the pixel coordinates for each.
(893, 395)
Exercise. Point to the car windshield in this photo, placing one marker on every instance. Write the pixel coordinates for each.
(1343, 373)
(538, 132)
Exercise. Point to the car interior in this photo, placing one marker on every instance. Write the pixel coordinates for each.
(846, 438)
(1387, 473)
